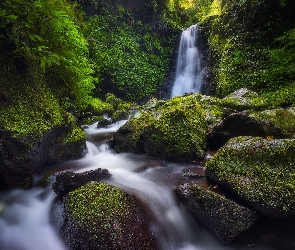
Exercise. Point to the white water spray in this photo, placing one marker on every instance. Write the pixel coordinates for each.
(190, 71)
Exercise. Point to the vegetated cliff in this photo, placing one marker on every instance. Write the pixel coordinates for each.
(44, 74)
(131, 45)
(251, 43)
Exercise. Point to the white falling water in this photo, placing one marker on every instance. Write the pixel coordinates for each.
(190, 71)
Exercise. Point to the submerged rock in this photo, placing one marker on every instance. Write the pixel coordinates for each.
(99, 216)
(258, 171)
(225, 218)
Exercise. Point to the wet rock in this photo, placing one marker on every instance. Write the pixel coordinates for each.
(66, 182)
(174, 129)
(21, 158)
(99, 216)
(240, 124)
(283, 118)
(104, 123)
(225, 218)
(260, 172)
(189, 173)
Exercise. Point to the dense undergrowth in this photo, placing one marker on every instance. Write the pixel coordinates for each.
(131, 57)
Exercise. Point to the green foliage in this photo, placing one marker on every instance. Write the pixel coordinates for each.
(46, 33)
(252, 45)
(130, 57)
(184, 13)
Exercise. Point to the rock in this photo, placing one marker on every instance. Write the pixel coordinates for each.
(66, 182)
(174, 129)
(189, 173)
(244, 99)
(240, 124)
(104, 123)
(225, 218)
(258, 171)
(99, 216)
(284, 118)
(21, 158)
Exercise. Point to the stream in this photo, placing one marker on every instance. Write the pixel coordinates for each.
(25, 222)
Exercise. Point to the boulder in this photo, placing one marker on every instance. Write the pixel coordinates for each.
(258, 171)
(244, 99)
(99, 216)
(66, 182)
(175, 129)
(282, 117)
(21, 158)
(240, 124)
(225, 218)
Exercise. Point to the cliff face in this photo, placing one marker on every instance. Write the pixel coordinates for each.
(250, 45)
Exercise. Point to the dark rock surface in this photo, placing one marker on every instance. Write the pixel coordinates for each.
(21, 159)
(225, 218)
(66, 182)
(240, 124)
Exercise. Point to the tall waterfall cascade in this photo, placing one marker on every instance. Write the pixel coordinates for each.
(190, 70)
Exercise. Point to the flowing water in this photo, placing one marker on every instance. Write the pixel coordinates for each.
(190, 70)
(25, 214)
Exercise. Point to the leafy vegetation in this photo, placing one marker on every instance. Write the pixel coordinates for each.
(131, 58)
(47, 35)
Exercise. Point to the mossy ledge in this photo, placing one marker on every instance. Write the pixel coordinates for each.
(35, 130)
(258, 171)
(100, 216)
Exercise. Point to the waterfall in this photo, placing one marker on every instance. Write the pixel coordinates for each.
(190, 71)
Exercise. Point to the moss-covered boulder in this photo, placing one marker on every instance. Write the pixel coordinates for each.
(240, 124)
(258, 171)
(99, 216)
(225, 218)
(282, 117)
(243, 99)
(35, 130)
(174, 129)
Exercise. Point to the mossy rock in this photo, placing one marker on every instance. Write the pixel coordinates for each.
(240, 124)
(129, 138)
(175, 129)
(225, 218)
(244, 99)
(284, 118)
(258, 171)
(99, 216)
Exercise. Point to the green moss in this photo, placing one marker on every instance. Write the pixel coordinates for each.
(284, 118)
(129, 137)
(259, 170)
(175, 129)
(76, 135)
(110, 216)
(29, 109)
(97, 204)
(97, 106)
(179, 130)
